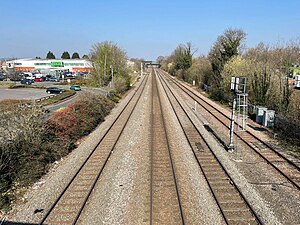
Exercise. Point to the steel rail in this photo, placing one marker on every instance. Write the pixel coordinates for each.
(151, 160)
(247, 143)
(225, 171)
(168, 147)
(92, 152)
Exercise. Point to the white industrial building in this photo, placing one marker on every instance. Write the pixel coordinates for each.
(71, 65)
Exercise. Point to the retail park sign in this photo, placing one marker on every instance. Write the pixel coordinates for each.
(57, 64)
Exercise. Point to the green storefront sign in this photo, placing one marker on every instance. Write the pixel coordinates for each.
(57, 64)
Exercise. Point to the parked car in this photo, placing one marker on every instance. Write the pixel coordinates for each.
(48, 76)
(30, 78)
(26, 81)
(38, 79)
(55, 90)
(53, 79)
(75, 87)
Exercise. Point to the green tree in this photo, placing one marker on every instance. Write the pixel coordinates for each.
(236, 66)
(179, 61)
(200, 71)
(50, 55)
(105, 57)
(75, 55)
(85, 57)
(227, 45)
(183, 56)
(65, 55)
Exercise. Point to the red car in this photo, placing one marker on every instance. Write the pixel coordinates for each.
(38, 79)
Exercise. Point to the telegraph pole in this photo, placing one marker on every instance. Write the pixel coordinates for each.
(104, 69)
(112, 76)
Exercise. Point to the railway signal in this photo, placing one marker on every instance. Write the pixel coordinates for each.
(239, 89)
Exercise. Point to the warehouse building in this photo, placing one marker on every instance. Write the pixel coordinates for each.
(71, 65)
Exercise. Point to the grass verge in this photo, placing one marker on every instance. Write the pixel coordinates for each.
(58, 98)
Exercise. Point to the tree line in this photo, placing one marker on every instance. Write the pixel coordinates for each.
(65, 55)
(267, 67)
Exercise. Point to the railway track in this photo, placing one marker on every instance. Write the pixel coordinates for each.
(286, 167)
(70, 203)
(165, 205)
(233, 206)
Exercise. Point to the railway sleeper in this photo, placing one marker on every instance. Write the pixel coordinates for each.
(234, 205)
(223, 188)
(238, 213)
(242, 221)
(59, 222)
(214, 174)
(214, 169)
(210, 164)
(217, 180)
(228, 197)
(220, 182)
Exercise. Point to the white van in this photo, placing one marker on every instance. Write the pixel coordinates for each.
(28, 75)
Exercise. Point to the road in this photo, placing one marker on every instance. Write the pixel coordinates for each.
(53, 108)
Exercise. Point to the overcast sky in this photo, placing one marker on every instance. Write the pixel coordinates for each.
(144, 29)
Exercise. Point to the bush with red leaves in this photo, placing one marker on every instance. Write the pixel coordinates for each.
(79, 118)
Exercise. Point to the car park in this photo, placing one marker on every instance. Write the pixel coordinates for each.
(75, 87)
(55, 90)
(26, 81)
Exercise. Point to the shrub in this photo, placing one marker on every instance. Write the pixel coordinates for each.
(78, 118)
(114, 96)
(21, 129)
(121, 84)
(28, 143)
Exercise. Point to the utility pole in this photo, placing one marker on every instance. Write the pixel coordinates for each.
(112, 76)
(142, 69)
(104, 69)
